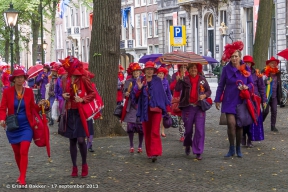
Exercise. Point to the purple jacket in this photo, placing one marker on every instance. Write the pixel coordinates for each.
(259, 86)
(42, 80)
(228, 85)
(166, 86)
(58, 89)
(185, 86)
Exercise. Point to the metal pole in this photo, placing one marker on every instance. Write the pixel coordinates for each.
(11, 47)
(41, 20)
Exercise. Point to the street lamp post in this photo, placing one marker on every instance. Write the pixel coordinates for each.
(11, 16)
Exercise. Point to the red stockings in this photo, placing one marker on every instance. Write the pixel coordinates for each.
(21, 156)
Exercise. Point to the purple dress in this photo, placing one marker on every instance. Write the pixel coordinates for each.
(42, 80)
(58, 93)
(228, 85)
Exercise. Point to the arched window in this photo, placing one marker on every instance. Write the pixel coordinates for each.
(210, 21)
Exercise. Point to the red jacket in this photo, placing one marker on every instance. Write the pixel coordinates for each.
(7, 102)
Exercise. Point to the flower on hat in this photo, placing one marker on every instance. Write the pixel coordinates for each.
(229, 49)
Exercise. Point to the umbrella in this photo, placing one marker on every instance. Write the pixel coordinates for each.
(46, 129)
(82, 116)
(34, 70)
(245, 94)
(151, 57)
(180, 57)
(284, 53)
(210, 59)
(269, 89)
(126, 103)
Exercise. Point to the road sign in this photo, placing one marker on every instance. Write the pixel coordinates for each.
(177, 35)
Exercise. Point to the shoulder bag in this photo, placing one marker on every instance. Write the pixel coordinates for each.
(11, 120)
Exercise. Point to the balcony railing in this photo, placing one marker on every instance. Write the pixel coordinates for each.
(127, 44)
(74, 30)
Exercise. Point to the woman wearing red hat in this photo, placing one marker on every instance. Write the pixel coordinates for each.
(58, 87)
(76, 81)
(152, 103)
(255, 132)
(193, 88)
(182, 71)
(161, 73)
(120, 85)
(5, 77)
(272, 77)
(227, 89)
(130, 118)
(22, 99)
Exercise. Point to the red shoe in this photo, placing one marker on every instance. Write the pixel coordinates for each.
(84, 170)
(131, 150)
(74, 171)
(181, 139)
(139, 150)
(163, 135)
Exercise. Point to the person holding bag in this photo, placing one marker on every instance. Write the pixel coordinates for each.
(234, 71)
(194, 88)
(152, 102)
(77, 80)
(19, 102)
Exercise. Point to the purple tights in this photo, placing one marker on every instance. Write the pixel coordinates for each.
(82, 147)
(140, 136)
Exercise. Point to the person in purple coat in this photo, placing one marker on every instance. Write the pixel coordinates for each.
(58, 87)
(42, 80)
(231, 73)
(255, 132)
(161, 73)
(130, 118)
(194, 88)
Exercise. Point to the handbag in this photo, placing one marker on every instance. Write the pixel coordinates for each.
(39, 135)
(205, 105)
(118, 111)
(175, 104)
(243, 117)
(223, 120)
(55, 110)
(11, 120)
(167, 121)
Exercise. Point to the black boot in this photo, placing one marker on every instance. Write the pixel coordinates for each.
(51, 122)
(273, 128)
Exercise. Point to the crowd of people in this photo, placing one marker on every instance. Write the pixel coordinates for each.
(149, 97)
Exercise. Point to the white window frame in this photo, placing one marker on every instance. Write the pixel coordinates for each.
(154, 50)
(155, 1)
(83, 50)
(84, 16)
(150, 27)
(61, 36)
(144, 29)
(138, 42)
(72, 17)
(150, 2)
(143, 2)
(138, 3)
(154, 24)
(87, 49)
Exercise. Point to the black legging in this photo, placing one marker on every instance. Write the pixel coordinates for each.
(233, 130)
(82, 147)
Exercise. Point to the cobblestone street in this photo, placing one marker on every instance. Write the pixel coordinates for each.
(113, 168)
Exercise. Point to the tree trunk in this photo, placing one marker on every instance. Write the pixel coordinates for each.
(53, 31)
(104, 61)
(17, 46)
(263, 33)
(35, 27)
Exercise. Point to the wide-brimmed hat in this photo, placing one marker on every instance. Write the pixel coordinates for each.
(198, 65)
(248, 59)
(271, 60)
(149, 64)
(55, 67)
(16, 73)
(163, 70)
(61, 71)
(135, 67)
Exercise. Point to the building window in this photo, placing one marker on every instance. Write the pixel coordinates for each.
(137, 3)
(83, 51)
(88, 48)
(72, 17)
(155, 24)
(76, 18)
(150, 51)
(195, 33)
(250, 33)
(68, 51)
(150, 2)
(67, 19)
(168, 24)
(138, 30)
(155, 1)
(150, 28)
(183, 21)
(84, 17)
(272, 43)
(143, 2)
(156, 48)
(144, 29)
(61, 36)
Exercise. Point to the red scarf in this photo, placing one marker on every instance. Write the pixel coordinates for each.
(194, 92)
(269, 70)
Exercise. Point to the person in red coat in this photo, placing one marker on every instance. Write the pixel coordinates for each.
(21, 138)
(120, 85)
(5, 77)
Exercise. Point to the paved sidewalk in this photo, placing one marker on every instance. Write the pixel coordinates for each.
(113, 168)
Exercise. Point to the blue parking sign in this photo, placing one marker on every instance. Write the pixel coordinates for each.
(177, 31)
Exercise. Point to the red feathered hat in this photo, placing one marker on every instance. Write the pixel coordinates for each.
(121, 68)
(163, 70)
(135, 67)
(229, 49)
(72, 65)
(271, 60)
(61, 71)
(248, 59)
